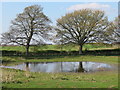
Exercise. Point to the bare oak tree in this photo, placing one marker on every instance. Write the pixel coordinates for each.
(82, 26)
(29, 27)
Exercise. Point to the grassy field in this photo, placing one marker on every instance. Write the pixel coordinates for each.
(70, 47)
(54, 53)
(22, 79)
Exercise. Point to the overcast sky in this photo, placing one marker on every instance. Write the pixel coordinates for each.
(53, 10)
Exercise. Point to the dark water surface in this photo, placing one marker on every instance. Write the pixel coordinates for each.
(62, 66)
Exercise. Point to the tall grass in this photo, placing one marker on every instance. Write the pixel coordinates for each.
(15, 76)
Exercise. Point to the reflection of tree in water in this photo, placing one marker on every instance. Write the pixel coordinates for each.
(80, 67)
(27, 66)
(61, 67)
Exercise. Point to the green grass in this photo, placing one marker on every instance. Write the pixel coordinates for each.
(105, 59)
(13, 48)
(22, 79)
(70, 47)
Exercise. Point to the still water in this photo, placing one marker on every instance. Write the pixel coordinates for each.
(62, 66)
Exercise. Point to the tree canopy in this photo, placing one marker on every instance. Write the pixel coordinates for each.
(82, 26)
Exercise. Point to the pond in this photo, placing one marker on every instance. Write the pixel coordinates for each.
(62, 66)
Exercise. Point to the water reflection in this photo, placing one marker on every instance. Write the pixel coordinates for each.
(63, 66)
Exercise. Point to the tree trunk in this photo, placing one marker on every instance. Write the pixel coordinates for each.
(80, 49)
(27, 50)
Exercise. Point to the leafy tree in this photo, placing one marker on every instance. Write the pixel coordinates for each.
(29, 27)
(117, 27)
(113, 32)
(82, 26)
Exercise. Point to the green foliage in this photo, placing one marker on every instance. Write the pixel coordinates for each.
(82, 26)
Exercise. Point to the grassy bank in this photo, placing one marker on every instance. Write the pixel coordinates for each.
(70, 47)
(50, 53)
(105, 59)
(22, 79)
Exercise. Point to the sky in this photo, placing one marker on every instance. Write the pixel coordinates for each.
(53, 10)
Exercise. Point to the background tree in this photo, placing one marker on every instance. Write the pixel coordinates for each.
(112, 33)
(82, 26)
(116, 22)
(29, 27)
